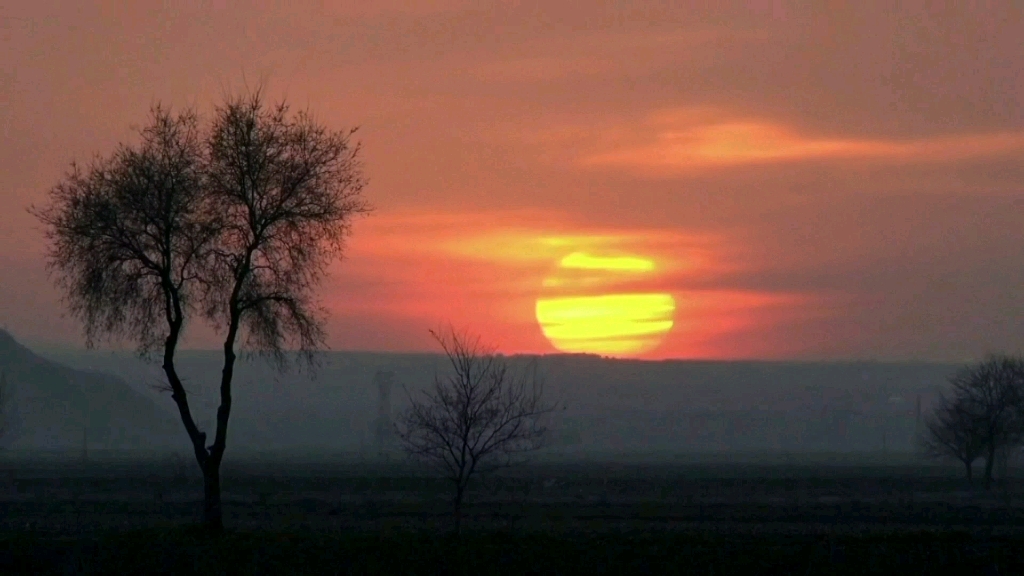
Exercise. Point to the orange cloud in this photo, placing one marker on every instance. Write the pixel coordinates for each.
(701, 138)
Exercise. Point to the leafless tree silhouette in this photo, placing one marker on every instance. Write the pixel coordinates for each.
(477, 416)
(983, 414)
(953, 432)
(236, 224)
(994, 389)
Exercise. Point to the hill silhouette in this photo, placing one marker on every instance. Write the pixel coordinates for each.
(54, 407)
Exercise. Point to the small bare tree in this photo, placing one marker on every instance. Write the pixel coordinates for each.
(953, 432)
(982, 416)
(991, 390)
(477, 417)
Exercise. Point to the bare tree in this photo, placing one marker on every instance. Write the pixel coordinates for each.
(953, 432)
(478, 415)
(982, 416)
(992, 391)
(237, 224)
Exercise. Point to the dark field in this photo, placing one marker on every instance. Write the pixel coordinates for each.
(137, 517)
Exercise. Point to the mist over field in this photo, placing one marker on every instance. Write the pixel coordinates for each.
(608, 407)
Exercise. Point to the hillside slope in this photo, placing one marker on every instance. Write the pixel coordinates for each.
(54, 407)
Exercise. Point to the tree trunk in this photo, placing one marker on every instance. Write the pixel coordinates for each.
(213, 518)
(990, 459)
(969, 468)
(459, 491)
(197, 437)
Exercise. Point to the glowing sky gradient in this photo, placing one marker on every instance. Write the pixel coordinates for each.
(810, 180)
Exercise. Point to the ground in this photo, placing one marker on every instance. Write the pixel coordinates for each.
(596, 518)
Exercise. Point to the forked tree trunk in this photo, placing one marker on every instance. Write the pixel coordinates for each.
(213, 517)
(208, 463)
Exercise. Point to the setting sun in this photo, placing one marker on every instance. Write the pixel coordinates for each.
(584, 310)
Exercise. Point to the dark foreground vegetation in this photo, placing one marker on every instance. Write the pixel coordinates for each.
(184, 551)
(590, 518)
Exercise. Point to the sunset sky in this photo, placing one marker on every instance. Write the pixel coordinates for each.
(805, 180)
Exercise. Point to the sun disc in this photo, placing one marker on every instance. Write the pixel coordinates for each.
(575, 319)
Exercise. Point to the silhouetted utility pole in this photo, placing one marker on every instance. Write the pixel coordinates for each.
(383, 427)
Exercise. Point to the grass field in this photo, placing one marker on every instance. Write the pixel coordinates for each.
(604, 518)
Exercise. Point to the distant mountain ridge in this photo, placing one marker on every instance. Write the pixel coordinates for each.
(55, 407)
